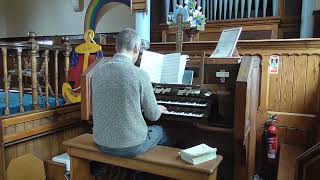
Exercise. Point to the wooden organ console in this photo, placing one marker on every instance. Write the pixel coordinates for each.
(223, 99)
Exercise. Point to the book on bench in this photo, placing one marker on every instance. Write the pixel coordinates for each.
(198, 154)
(166, 69)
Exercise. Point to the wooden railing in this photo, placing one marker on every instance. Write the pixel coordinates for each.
(231, 9)
(33, 51)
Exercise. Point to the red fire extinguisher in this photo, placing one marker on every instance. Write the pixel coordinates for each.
(271, 137)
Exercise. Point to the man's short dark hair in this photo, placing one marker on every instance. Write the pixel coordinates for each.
(127, 39)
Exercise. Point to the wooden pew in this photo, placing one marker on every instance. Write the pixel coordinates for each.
(161, 160)
(288, 155)
(308, 164)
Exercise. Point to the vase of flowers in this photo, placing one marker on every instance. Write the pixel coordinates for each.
(195, 17)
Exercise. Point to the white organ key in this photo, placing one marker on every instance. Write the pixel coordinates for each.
(184, 114)
(182, 103)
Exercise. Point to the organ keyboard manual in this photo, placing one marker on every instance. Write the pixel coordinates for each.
(184, 102)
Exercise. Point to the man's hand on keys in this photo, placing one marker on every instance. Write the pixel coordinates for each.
(162, 109)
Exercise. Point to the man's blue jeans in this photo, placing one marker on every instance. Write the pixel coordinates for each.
(156, 135)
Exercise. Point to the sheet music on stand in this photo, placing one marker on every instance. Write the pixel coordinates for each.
(226, 47)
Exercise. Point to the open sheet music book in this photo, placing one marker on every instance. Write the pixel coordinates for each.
(167, 69)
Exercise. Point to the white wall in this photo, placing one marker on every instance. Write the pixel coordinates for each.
(56, 17)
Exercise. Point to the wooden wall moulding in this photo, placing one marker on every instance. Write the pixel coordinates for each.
(139, 6)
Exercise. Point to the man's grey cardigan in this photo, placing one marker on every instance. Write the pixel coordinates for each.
(120, 91)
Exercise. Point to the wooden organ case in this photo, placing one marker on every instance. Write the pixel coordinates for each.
(231, 125)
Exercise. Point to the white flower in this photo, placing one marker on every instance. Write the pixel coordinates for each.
(196, 13)
(199, 8)
(193, 23)
(190, 18)
(186, 1)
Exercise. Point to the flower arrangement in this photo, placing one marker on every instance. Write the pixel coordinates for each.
(195, 17)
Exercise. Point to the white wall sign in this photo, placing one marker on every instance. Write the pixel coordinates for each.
(222, 74)
(274, 64)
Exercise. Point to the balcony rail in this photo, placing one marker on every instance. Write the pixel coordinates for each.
(36, 54)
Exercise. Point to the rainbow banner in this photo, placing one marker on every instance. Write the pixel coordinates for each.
(95, 6)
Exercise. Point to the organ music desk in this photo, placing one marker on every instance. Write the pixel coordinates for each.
(229, 120)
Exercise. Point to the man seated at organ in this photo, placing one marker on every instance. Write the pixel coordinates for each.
(122, 95)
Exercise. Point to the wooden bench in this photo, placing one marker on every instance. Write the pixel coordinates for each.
(161, 160)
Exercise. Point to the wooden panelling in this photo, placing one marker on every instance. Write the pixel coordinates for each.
(288, 155)
(299, 76)
(42, 146)
(312, 84)
(39, 133)
(26, 117)
(286, 84)
(258, 28)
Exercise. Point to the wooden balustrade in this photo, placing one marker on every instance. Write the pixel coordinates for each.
(56, 82)
(34, 78)
(5, 80)
(46, 76)
(33, 51)
(20, 80)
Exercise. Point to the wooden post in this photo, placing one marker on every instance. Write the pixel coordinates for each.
(5, 80)
(34, 79)
(46, 76)
(19, 51)
(66, 58)
(56, 76)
